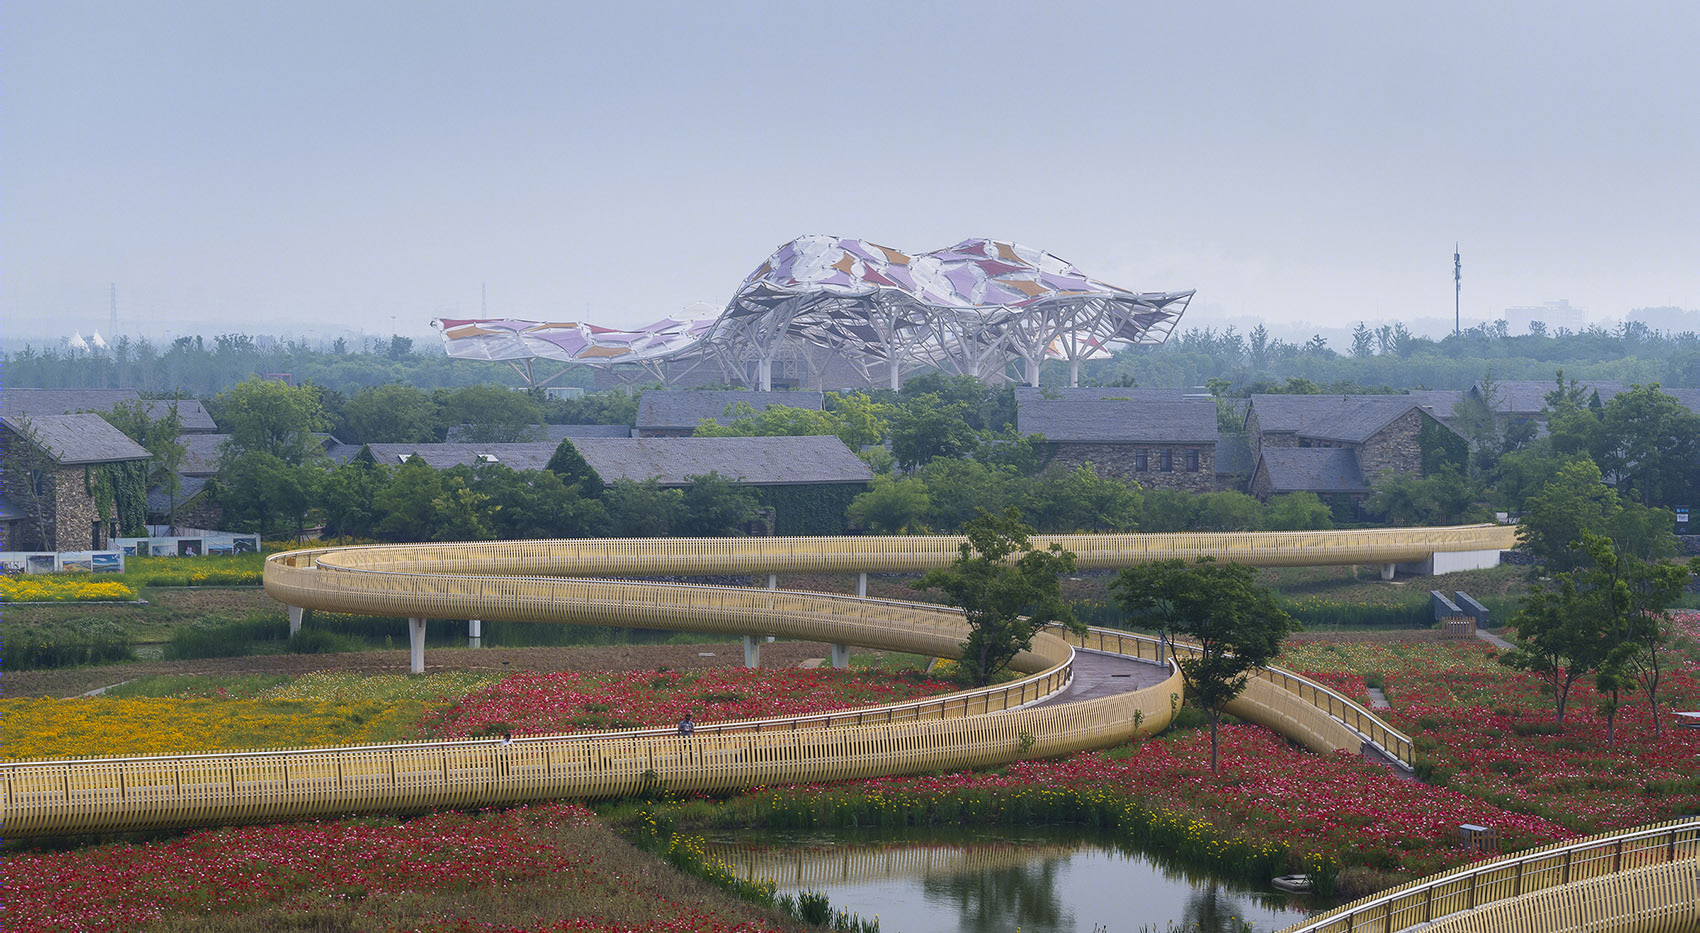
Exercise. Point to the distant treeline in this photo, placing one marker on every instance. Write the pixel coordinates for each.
(1388, 356)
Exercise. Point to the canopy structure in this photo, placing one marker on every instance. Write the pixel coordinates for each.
(974, 308)
(520, 343)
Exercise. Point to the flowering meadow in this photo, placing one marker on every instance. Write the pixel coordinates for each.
(577, 701)
(549, 867)
(1491, 732)
(68, 588)
(1273, 807)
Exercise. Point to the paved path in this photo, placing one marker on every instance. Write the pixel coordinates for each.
(1100, 675)
(1494, 640)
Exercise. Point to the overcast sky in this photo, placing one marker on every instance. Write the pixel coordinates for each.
(299, 168)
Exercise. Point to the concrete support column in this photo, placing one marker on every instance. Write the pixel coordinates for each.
(862, 584)
(841, 657)
(1387, 571)
(295, 614)
(896, 377)
(1033, 372)
(764, 375)
(416, 644)
(475, 633)
(1074, 373)
(773, 581)
(752, 651)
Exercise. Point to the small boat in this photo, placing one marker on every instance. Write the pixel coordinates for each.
(1297, 884)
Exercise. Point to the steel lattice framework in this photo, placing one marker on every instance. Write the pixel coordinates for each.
(973, 308)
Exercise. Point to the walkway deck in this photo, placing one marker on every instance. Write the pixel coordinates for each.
(1101, 675)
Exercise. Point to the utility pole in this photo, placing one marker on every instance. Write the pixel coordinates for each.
(1457, 286)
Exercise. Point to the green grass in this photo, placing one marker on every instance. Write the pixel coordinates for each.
(230, 686)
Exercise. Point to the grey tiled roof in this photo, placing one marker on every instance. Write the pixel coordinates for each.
(554, 433)
(1025, 394)
(663, 409)
(27, 401)
(201, 453)
(1351, 418)
(1313, 469)
(189, 487)
(78, 439)
(756, 461)
(533, 455)
(195, 417)
(34, 402)
(1153, 421)
(1529, 396)
(1688, 398)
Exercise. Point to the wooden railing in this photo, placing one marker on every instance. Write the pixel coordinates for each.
(1639, 879)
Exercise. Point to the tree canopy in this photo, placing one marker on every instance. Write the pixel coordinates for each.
(1007, 590)
(1234, 622)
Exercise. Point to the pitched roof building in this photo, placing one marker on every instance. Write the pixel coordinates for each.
(46, 478)
(35, 402)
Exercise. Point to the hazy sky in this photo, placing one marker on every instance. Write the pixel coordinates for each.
(300, 167)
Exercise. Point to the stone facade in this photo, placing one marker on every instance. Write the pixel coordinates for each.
(1394, 450)
(1192, 467)
(69, 520)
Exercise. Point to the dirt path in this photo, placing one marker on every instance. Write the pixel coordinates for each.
(77, 681)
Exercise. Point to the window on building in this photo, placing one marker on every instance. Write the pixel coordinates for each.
(1166, 461)
(1192, 461)
(1141, 461)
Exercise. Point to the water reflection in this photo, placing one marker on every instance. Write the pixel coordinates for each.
(1042, 880)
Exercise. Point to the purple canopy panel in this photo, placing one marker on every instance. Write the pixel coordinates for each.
(964, 278)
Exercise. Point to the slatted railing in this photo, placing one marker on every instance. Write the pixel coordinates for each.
(1639, 879)
(532, 581)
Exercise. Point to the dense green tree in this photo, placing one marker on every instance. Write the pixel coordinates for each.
(961, 489)
(389, 414)
(1225, 511)
(1445, 498)
(406, 505)
(488, 414)
(460, 513)
(1165, 510)
(570, 465)
(714, 506)
(641, 510)
(538, 504)
(1235, 624)
(892, 506)
(161, 434)
(1575, 502)
(348, 498)
(1007, 590)
(1650, 444)
(271, 417)
(926, 429)
(261, 492)
(1081, 500)
(1297, 511)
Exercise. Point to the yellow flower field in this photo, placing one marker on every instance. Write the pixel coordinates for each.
(319, 709)
(39, 589)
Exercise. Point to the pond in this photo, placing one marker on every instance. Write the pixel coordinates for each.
(1035, 879)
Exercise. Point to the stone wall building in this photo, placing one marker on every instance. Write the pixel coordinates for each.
(45, 477)
(1162, 443)
(1379, 436)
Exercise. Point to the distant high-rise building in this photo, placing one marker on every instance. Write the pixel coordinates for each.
(1554, 314)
